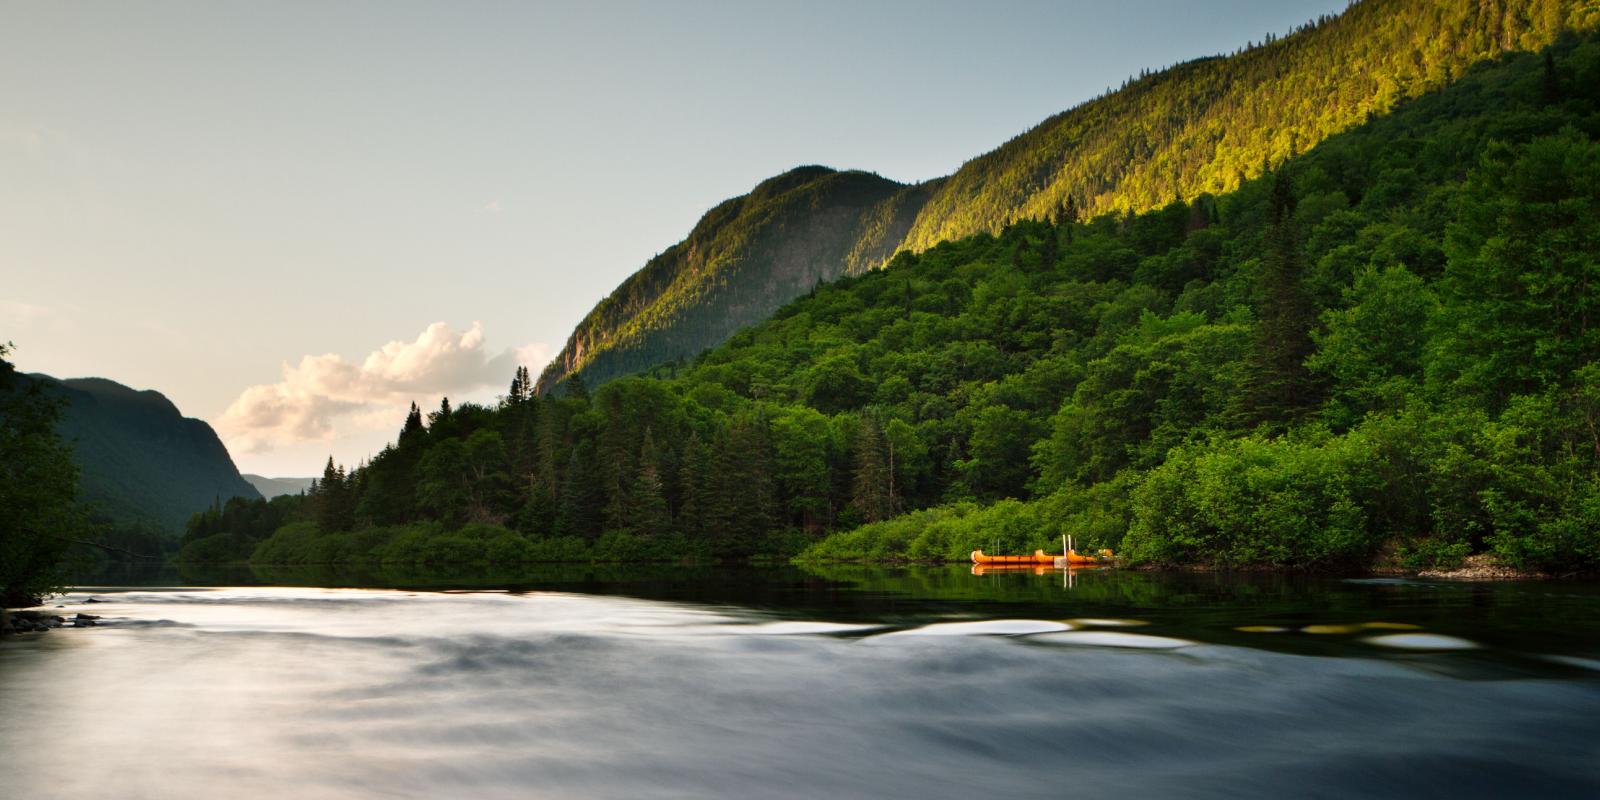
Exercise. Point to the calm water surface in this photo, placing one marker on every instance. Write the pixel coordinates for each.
(851, 682)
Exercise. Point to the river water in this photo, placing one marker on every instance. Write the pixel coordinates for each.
(849, 682)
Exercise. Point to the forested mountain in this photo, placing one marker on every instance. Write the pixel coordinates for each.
(1208, 125)
(745, 258)
(141, 462)
(1386, 350)
(1204, 126)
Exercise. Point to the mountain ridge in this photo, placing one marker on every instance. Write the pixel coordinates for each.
(1200, 126)
(805, 226)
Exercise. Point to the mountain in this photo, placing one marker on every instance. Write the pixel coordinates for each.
(274, 487)
(1384, 353)
(1204, 126)
(141, 460)
(744, 258)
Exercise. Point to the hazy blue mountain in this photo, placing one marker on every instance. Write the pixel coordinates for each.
(273, 487)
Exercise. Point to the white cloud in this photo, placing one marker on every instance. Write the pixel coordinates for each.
(322, 393)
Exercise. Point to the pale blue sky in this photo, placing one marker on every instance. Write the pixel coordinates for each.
(193, 195)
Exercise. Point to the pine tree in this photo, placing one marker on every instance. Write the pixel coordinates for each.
(1068, 216)
(694, 479)
(333, 505)
(1278, 387)
(1050, 250)
(413, 425)
(648, 514)
(577, 388)
(871, 495)
(518, 393)
(581, 498)
(616, 461)
(1551, 85)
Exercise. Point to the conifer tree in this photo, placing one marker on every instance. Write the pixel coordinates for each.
(333, 504)
(694, 480)
(1050, 250)
(648, 514)
(870, 495)
(413, 424)
(577, 388)
(581, 498)
(1278, 386)
(520, 388)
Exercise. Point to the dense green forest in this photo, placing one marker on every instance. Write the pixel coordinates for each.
(1385, 350)
(1204, 126)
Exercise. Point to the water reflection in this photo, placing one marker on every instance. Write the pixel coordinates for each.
(624, 682)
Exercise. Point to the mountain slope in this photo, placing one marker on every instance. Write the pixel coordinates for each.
(1200, 127)
(744, 258)
(1208, 125)
(142, 461)
(1385, 352)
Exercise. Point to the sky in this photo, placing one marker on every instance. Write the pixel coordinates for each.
(296, 218)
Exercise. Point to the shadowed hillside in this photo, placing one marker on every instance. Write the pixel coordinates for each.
(142, 461)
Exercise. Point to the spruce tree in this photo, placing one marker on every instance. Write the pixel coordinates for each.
(413, 425)
(1050, 250)
(1278, 387)
(870, 494)
(581, 498)
(648, 514)
(694, 479)
(518, 393)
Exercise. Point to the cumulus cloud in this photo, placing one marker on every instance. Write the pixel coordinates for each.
(323, 393)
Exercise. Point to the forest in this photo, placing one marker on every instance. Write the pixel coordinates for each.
(1384, 351)
(1203, 126)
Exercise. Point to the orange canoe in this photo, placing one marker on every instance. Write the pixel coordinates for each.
(1039, 557)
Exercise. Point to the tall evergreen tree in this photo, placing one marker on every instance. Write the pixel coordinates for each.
(413, 424)
(696, 487)
(333, 504)
(871, 494)
(648, 514)
(581, 496)
(1050, 250)
(1278, 386)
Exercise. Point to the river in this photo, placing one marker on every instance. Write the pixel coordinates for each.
(842, 682)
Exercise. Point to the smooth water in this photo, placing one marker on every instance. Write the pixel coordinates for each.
(851, 682)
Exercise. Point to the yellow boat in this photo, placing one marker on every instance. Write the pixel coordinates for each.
(1039, 557)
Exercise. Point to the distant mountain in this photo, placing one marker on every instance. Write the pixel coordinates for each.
(142, 461)
(1204, 126)
(273, 487)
